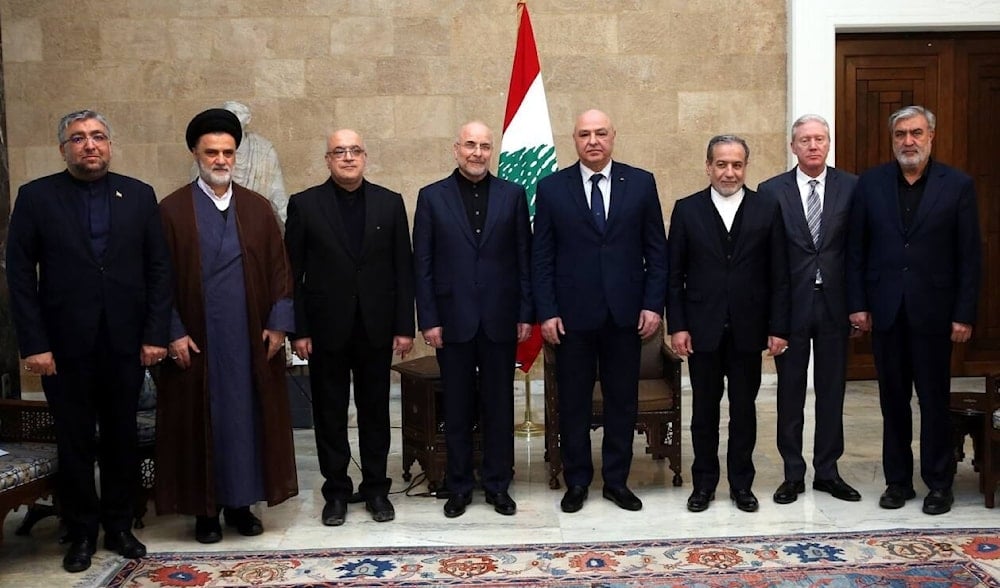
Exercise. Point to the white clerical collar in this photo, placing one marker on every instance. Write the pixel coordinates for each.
(727, 201)
(220, 202)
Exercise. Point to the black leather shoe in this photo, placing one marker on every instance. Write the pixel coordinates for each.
(455, 507)
(207, 529)
(125, 544)
(744, 499)
(895, 496)
(623, 497)
(938, 501)
(381, 509)
(335, 512)
(573, 500)
(699, 499)
(788, 492)
(502, 502)
(77, 557)
(838, 488)
(245, 522)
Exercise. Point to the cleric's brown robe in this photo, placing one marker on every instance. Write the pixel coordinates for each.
(184, 471)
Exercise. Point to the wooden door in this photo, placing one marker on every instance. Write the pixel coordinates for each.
(957, 76)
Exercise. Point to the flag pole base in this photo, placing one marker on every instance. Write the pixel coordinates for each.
(528, 429)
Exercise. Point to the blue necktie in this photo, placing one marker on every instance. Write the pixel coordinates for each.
(597, 202)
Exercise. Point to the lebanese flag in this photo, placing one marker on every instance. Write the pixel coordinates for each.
(527, 150)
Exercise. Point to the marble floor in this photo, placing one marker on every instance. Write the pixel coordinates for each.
(36, 560)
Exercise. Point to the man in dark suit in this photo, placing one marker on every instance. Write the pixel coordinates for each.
(728, 300)
(913, 271)
(348, 241)
(95, 312)
(471, 245)
(815, 201)
(599, 270)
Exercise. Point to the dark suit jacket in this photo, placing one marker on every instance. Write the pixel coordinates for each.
(578, 273)
(935, 266)
(706, 287)
(461, 284)
(59, 309)
(804, 256)
(330, 281)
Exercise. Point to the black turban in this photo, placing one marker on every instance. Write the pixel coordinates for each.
(213, 120)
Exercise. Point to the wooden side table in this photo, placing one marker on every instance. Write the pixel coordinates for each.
(968, 409)
(423, 423)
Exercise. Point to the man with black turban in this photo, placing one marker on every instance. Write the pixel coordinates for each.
(224, 438)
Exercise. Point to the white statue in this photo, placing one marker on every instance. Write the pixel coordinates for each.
(257, 165)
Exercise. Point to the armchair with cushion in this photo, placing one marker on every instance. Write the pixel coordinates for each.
(659, 414)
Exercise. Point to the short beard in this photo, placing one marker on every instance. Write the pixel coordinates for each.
(213, 178)
(88, 173)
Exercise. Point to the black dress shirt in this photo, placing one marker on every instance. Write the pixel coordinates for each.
(352, 214)
(95, 212)
(475, 197)
(910, 195)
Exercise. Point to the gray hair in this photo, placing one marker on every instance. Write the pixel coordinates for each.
(910, 112)
(72, 117)
(807, 118)
(726, 139)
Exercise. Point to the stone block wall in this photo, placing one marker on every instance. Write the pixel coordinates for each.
(406, 73)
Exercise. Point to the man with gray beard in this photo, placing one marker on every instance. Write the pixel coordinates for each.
(224, 439)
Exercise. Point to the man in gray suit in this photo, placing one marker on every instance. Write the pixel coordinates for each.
(815, 200)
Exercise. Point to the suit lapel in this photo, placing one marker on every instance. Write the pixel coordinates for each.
(618, 184)
(496, 206)
(453, 201)
(574, 187)
(707, 216)
(68, 199)
(793, 201)
(118, 204)
(890, 184)
(930, 198)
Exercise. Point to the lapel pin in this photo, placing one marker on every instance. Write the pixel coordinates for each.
(118, 194)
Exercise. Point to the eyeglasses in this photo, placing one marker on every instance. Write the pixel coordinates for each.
(472, 146)
(80, 140)
(341, 152)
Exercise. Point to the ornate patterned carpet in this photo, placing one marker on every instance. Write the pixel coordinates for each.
(910, 558)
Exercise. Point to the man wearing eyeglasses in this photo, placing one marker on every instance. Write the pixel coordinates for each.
(349, 244)
(89, 279)
(471, 245)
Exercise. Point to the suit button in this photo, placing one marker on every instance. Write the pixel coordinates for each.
(906, 268)
(906, 245)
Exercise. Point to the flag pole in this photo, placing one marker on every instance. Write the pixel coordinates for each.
(528, 428)
(527, 154)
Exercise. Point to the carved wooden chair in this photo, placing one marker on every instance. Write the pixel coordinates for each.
(28, 470)
(659, 415)
(989, 465)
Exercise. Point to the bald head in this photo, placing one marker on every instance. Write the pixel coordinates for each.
(473, 149)
(594, 136)
(346, 158)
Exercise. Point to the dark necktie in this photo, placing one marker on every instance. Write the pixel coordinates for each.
(597, 202)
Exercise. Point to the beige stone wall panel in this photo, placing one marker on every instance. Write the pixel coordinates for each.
(22, 40)
(374, 117)
(283, 78)
(301, 37)
(327, 79)
(362, 36)
(137, 39)
(422, 36)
